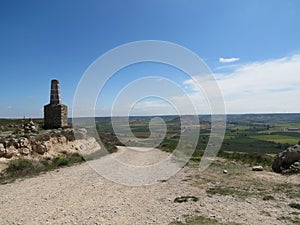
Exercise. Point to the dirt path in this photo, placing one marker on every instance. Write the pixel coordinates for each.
(78, 195)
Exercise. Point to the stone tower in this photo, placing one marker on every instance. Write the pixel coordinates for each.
(55, 113)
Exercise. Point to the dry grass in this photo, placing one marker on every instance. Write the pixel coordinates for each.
(241, 182)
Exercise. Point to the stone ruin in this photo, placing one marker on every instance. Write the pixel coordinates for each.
(55, 113)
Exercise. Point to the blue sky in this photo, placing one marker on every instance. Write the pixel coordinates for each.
(251, 46)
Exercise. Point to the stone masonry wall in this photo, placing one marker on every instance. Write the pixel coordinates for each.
(55, 116)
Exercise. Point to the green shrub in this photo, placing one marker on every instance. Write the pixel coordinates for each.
(268, 197)
(197, 155)
(60, 161)
(46, 164)
(186, 198)
(227, 191)
(19, 166)
(197, 219)
(221, 191)
(295, 205)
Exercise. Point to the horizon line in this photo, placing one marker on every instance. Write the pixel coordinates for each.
(227, 114)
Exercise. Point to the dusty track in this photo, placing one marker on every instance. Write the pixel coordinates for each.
(78, 195)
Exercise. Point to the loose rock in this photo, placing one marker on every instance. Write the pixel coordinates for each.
(257, 168)
(39, 148)
(2, 150)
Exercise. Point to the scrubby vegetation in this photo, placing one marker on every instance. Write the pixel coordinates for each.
(20, 168)
(248, 158)
(185, 199)
(197, 220)
(224, 191)
(295, 205)
(268, 197)
(110, 141)
(241, 183)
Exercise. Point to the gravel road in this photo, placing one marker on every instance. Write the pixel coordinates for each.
(78, 195)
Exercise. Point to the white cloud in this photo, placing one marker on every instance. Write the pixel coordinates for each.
(270, 86)
(258, 87)
(228, 60)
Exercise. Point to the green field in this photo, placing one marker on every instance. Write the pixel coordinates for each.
(261, 133)
(278, 138)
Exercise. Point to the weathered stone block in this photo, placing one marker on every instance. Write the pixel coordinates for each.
(55, 116)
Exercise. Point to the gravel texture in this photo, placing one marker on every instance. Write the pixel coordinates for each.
(78, 195)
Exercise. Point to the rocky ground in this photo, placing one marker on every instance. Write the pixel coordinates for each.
(78, 195)
(46, 146)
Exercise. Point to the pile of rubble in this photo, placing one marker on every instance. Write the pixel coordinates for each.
(30, 127)
(48, 145)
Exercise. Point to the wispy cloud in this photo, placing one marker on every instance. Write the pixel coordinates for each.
(228, 60)
(269, 86)
(256, 87)
(227, 67)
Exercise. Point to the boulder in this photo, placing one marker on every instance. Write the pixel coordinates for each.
(25, 151)
(10, 152)
(54, 140)
(284, 160)
(2, 150)
(62, 140)
(39, 148)
(296, 165)
(13, 142)
(24, 142)
(33, 129)
(294, 168)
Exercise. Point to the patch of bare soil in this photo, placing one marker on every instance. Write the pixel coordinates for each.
(78, 195)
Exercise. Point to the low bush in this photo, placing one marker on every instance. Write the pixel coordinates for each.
(268, 197)
(294, 205)
(185, 199)
(221, 191)
(228, 191)
(67, 160)
(20, 167)
(60, 161)
(197, 219)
